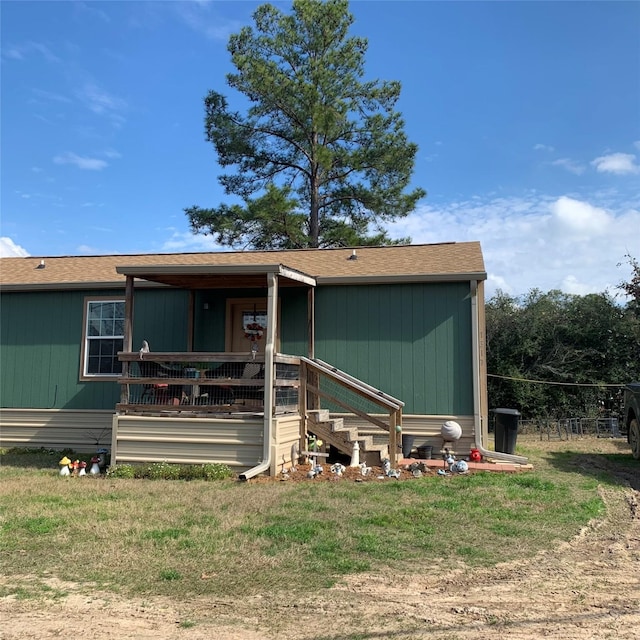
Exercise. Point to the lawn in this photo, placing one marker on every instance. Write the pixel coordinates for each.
(225, 537)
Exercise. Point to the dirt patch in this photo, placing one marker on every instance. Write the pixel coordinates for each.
(588, 588)
(330, 473)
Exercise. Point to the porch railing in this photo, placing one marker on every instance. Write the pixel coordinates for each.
(229, 383)
(204, 382)
(323, 384)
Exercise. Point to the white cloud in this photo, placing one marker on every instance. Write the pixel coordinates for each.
(570, 165)
(577, 217)
(618, 163)
(23, 51)
(102, 103)
(85, 249)
(188, 242)
(91, 164)
(49, 95)
(9, 249)
(84, 8)
(570, 243)
(543, 147)
(199, 16)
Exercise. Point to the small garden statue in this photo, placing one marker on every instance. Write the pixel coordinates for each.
(64, 466)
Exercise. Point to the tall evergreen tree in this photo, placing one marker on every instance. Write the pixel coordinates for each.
(321, 157)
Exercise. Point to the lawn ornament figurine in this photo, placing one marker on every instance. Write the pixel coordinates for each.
(82, 469)
(64, 466)
(475, 456)
(449, 459)
(102, 458)
(338, 469)
(355, 455)
(144, 349)
(460, 466)
(95, 466)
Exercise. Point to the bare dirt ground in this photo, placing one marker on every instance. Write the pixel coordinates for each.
(587, 588)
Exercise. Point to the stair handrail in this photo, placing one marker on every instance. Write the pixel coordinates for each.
(376, 396)
(362, 385)
(392, 405)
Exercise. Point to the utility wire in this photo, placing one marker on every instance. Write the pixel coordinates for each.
(561, 384)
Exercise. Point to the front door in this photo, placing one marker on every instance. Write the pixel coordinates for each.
(247, 321)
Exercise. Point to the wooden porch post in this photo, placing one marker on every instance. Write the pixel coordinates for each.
(127, 340)
(302, 407)
(393, 438)
(311, 314)
(191, 319)
(270, 437)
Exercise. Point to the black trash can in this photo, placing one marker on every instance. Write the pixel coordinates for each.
(407, 445)
(506, 430)
(425, 451)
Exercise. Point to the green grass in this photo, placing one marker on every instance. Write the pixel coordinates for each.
(142, 536)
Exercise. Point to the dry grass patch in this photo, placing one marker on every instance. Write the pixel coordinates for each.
(225, 538)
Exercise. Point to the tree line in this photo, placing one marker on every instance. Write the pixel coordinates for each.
(558, 355)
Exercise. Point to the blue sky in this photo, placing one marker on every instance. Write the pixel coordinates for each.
(527, 117)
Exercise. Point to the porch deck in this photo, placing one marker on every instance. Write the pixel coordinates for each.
(182, 406)
(205, 384)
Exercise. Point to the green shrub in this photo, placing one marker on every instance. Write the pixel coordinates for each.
(191, 472)
(163, 471)
(166, 471)
(121, 471)
(216, 471)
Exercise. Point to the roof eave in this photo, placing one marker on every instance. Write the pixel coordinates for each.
(151, 272)
(400, 279)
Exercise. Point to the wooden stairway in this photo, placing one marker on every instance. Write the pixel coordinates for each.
(334, 432)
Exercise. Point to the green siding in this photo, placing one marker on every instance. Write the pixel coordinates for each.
(412, 341)
(41, 337)
(161, 317)
(293, 311)
(209, 332)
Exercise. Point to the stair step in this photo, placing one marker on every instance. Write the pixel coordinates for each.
(318, 415)
(334, 432)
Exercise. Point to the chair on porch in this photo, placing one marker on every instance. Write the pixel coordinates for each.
(157, 393)
(228, 395)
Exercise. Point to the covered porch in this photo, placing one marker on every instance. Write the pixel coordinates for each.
(250, 406)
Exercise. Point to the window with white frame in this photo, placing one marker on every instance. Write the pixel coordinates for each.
(104, 335)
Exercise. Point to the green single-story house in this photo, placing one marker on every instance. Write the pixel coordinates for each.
(236, 357)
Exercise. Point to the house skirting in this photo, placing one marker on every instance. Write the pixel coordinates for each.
(424, 428)
(236, 442)
(82, 431)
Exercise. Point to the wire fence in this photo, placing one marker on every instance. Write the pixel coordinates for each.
(568, 428)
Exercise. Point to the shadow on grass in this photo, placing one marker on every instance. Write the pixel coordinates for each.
(616, 469)
(38, 458)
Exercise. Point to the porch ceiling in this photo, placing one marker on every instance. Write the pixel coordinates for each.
(218, 276)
